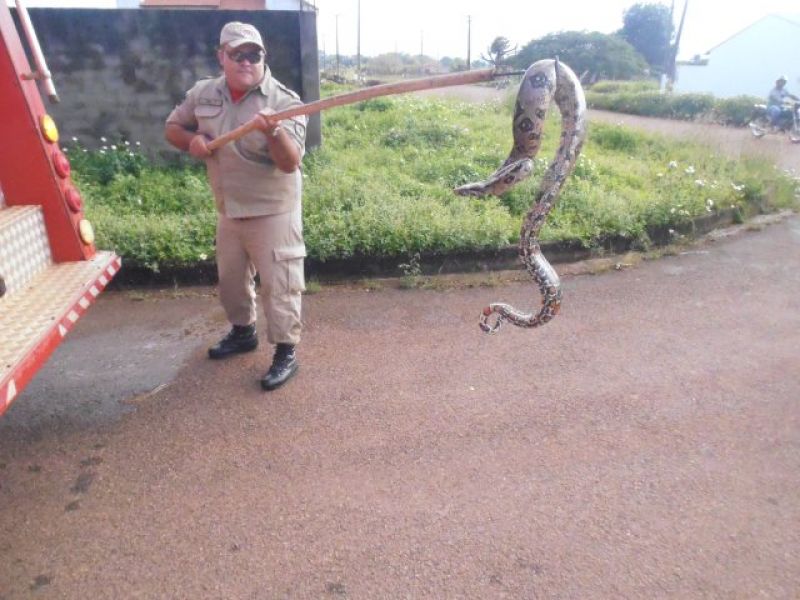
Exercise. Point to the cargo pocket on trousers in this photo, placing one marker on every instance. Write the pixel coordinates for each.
(288, 278)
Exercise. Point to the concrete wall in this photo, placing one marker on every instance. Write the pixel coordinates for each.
(748, 63)
(120, 72)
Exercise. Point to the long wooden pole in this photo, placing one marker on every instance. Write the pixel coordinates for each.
(386, 89)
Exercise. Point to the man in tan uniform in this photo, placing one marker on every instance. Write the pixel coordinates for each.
(257, 188)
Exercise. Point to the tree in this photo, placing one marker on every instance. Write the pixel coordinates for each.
(592, 55)
(498, 52)
(387, 64)
(648, 28)
(453, 64)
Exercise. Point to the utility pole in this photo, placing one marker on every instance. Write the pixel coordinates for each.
(358, 45)
(421, 50)
(337, 46)
(469, 42)
(672, 49)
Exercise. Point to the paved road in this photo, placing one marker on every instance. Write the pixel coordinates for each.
(645, 444)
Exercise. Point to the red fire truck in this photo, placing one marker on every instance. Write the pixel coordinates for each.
(50, 271)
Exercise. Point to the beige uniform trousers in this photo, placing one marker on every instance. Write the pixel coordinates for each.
(273, 246)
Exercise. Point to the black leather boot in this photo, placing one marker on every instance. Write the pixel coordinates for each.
(241, 338)
(284, 366)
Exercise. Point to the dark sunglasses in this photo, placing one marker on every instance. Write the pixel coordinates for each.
(254, 57)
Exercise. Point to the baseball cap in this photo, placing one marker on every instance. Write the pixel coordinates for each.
(235, 34)
(782, 78)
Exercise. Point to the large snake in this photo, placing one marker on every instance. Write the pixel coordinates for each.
(544, 81)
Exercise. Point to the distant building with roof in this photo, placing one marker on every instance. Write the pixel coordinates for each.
(747, 63)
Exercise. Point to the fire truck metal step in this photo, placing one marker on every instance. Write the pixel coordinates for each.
(36, 317)
(24, 246)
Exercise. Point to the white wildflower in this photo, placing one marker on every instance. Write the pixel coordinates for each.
(689, 170)
(102, 151)
(113, 147)
(672, 210)
(673, 164)
(202, 256)
(672, 232)
(699, 183)
(74, 139)
(104, 140)
(659, 174)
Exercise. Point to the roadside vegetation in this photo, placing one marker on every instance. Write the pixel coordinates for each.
(643, 98)
(381, 185)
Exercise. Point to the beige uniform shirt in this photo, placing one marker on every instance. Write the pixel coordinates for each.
(245, 181)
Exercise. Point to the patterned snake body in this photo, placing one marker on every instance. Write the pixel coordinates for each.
(544, 81)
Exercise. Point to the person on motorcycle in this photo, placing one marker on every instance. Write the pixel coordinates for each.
(775, 103)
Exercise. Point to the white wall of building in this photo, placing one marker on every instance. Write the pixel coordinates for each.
(288, 5)
(749, 62)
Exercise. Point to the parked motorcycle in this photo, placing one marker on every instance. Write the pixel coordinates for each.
(789, 122)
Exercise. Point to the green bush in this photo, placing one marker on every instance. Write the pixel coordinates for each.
(110, 160)
(616, 87)
(736, 111)
(643, 98)
(690, 106)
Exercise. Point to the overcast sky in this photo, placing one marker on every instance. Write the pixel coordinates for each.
(439, 27)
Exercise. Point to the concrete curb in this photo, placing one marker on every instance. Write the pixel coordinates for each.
(360, 267)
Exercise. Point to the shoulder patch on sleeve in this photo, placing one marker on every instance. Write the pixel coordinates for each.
(299, 129)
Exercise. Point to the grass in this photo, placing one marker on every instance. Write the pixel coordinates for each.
(381, 185)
